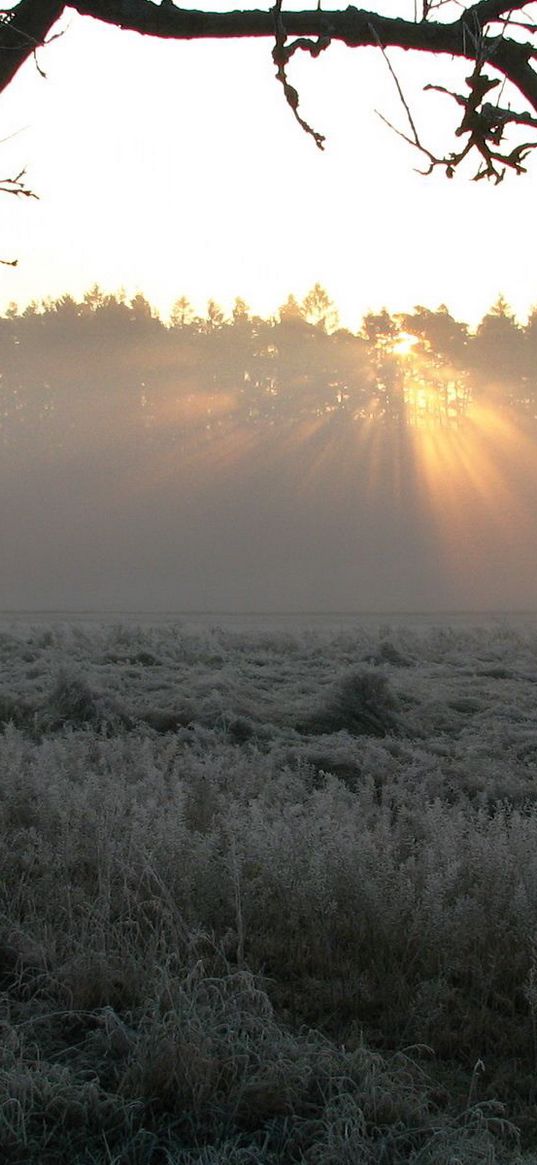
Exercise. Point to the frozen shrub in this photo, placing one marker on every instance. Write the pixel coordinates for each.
(163, 721)
(360, 703)
(387, 652)
(241, 729)
(72, 702)
(15, 711)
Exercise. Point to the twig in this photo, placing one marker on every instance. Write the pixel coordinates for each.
(38, 66)
(507, 20)
(410, 141)
(281, 55)
(397, 84)
(430, 6)
(16, 186)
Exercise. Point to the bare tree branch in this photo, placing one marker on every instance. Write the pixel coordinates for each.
(464, 37)
(470, 36)
(22, 30)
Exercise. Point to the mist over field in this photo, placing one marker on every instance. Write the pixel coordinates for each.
(241, 538)
(254, 465)
(249, 537)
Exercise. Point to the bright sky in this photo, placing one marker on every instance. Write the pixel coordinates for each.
(178, 169)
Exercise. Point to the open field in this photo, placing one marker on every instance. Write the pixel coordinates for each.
(268, 896)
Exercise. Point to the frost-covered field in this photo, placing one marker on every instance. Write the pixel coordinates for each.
(268, 895)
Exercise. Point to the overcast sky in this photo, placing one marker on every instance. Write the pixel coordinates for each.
(179, 169)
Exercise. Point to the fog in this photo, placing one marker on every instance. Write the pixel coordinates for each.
(164, 469)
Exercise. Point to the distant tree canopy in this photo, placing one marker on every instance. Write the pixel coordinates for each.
(106, 370)
(499, 40)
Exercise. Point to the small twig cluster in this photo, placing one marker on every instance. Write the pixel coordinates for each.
(485, 123)
(281, 55)
(17, 186)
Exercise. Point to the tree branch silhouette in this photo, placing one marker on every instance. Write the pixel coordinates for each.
(470, 37)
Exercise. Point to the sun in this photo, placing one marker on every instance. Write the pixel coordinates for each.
(435, 395)
(404, 344)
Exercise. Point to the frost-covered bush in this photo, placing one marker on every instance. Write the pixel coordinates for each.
(360, 703)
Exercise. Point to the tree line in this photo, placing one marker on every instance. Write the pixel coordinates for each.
(79, 372)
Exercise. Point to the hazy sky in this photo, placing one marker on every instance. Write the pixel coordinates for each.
(178, 169)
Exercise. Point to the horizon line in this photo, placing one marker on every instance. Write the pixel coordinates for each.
(496, 611)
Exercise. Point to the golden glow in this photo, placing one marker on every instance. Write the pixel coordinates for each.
(435, 395)
(470, 478)
(438, 405)
(404, 344)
